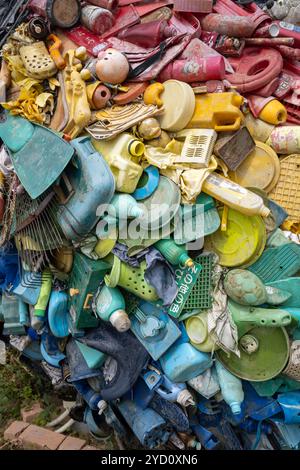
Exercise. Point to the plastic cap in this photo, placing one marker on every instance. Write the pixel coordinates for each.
(184, 398)
(135, 211)
(235, 408)
(264, 211)
(274, 30)
(136, 148)
(120, 320)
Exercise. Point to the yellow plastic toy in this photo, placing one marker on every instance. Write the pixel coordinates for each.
(219, 111)
(76, 97)
(152, 94)
(274, 113)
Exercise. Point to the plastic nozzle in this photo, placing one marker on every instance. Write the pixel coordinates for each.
(264, 211)
(235, 408)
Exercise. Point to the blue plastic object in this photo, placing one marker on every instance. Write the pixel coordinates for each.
(147, 425)
(290, 404)
(152, 175)
(154, 329)
(183, 362)
(257, 407)
(289, 435)
(29, 287)
(142, 394)
(79, 369)
(231, 388)
(24, 313)
(208, 440)
(163, 386)
(92, 185)
(9, 268)
(91, 397)
(171, 412)
(10, 312)
(58, 314)
(291, 285)
(50, 349)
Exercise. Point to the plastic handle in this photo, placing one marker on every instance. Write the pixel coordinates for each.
(54, 51)
(230, 127)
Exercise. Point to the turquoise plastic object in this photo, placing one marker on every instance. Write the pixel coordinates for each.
(123, 206)
(277, 263)
(10, 311)
(58, 314)
(38, 154)
(93, 186)
(175, 254)
(148, 183)
(291, 285)
(29, 288)
(92, 357)
(24, 313)
(110, 306)
(154, 329)
(231, 388)
(200, 296)
(194, 221)
(52, 359)
(182, 362)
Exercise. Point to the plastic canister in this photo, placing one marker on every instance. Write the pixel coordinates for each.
(231, 388)
(285, 139)
(122, 154)
(234, 195)
(96, 19)
(110, 306)
(219, 111)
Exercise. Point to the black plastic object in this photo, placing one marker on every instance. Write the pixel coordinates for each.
(38, 28)
(63, 13)
(78, 367)
(12, 13)
(130, 355)
(171, 412)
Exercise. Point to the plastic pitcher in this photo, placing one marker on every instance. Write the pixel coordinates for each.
(219, 111)
(231, 388)
(110, 306)
(122, 155)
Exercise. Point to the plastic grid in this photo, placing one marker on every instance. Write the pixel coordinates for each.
(287, 191)
(200, 296)
(292, 370)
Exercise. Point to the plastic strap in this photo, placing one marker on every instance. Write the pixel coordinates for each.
(148, 62)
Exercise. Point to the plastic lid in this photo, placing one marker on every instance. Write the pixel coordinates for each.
(179, 104)
(196, 328)
(274, 30)
(235, 408)
(261, 169)
(120, 320)
(136, 148)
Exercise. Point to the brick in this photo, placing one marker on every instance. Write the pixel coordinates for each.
(29, 415)
(72, 443)
(14, 430)
(35, 437)
(90, 448)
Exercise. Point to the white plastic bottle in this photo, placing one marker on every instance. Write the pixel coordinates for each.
(231, 388)
(234, 195)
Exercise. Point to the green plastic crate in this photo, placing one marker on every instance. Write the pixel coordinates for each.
(200, 296)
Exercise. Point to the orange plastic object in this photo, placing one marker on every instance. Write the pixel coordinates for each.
(287, 191)
(54, 51)
(219, 111)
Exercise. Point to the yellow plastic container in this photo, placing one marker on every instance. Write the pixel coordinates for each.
(274, 113)
(259, 130)
(234, 195)
(197, 330)
(219, 111)
(122, 154)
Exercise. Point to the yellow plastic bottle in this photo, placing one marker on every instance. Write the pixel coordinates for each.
(234, 195)
(259, 130)
(219, 111)
(122, 154)
(274, 113)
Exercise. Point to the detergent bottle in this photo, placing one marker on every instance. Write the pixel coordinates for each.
(285, 139)
(231, 388)
(219, 111)
(122, 154)
(234, 195)
(173, 253)
(110, 306)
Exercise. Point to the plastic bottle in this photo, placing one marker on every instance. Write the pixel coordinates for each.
(259, 130)
(175, 392)
(231, 388)
(122, 155)
(285, 139)
(97, 19)
(234, 195)
(111, 307)
(123, 206)
(173, 253)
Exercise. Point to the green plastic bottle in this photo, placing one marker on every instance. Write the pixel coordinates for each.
(110, 306)
(173, 253)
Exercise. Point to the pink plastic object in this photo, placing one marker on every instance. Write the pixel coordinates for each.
(193, 6)
(97, 20)
(148, 34)
(112, 66)
(225, 45)
(285, 30)
(101, 96)
(255, 68)
(289, 52)
(269, 89)
(236, 26)
(194, 69)
(257, 15)
(185, 23)
(257, 103)
(108, 4)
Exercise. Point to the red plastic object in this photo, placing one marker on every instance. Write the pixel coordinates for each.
(269, 89)
(289, 52)
(225, 45)
(186, 24)
(83, 37)
(255, 68)
(193, 6)
(148, 34)
(125, 17)
(145, 9)
(285, 85)
(285, 30)
(257, 15)
(108, 4)
(194, 69)
(234, 26)
(135, 90)
(257, 103)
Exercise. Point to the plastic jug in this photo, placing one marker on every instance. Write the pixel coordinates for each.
(122, 154)
(285, 139)
(182, 362)
(173, 253)
(110, 306)
(234, 195)
(219, 111)
(231, 388)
